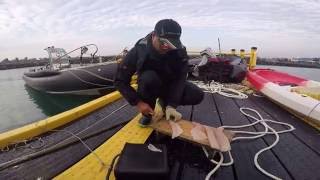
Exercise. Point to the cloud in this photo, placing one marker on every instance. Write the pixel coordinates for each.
(294, 24)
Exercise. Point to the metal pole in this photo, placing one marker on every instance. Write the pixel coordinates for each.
(219, 46)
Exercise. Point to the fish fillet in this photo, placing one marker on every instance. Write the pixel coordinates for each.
(212, 138)
(222, 139)
(198, 132)
(176, 129)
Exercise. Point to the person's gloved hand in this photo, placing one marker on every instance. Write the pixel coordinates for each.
(172, 114)
(158, 113)
(144, 108)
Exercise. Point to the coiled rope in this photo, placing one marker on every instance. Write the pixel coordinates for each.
(215, 87)
(268, 130)
(23, 144)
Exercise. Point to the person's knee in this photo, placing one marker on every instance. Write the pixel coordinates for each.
(198, 96)
(149, 79)
(149, 84)
(192, 95)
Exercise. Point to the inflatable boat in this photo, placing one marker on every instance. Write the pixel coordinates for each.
(299, 95)
(61, 76)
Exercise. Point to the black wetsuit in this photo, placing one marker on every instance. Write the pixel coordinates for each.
(162, 76)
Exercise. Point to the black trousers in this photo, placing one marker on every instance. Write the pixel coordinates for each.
(151, 87)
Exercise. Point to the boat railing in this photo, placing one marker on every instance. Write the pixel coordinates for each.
(63, 58)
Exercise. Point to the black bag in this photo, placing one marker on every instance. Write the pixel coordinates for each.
(137, 161)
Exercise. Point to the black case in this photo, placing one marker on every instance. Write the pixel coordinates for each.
(138, 162)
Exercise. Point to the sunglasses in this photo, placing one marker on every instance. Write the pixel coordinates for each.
(166, 44)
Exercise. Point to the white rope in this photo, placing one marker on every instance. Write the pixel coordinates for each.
(267, 130)
(215, 87)
(94, 74)
(85, 145)
(23, 144)
(28, 156)
(87, 82)
(308, 116)
(215, 162)
(215, 168)
(257, 95)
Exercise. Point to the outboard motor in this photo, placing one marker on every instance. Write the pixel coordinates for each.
(221, 68)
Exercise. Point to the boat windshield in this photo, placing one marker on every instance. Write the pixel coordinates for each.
(58, 58)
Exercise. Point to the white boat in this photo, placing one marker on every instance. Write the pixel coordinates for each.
(298, 95)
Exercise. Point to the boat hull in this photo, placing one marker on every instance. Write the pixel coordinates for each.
(84, 80)
(279, 87)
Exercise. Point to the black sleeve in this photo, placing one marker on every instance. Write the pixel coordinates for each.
(126, 69)
(176, 88)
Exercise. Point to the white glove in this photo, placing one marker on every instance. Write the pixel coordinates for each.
(172, 114)
(158, 113)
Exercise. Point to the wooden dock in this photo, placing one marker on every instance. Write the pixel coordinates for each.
(296, 156)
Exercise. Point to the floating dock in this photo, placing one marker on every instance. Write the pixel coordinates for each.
(105, 130)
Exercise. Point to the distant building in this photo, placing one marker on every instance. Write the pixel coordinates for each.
(305, 60)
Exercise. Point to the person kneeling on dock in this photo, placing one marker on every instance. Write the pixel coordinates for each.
(161, 62)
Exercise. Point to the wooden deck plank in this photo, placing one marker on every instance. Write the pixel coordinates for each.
(191, 164)
(244, 151)
(188, 161)
(177, 164)
(304, 132)
(185, 111)
(298, 159)
(90, 168)
(187, 170)
(206, 113)
(50, 164)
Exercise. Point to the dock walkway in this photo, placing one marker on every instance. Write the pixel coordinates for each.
(296, 156)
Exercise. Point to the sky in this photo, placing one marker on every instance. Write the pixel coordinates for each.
(279, 28)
